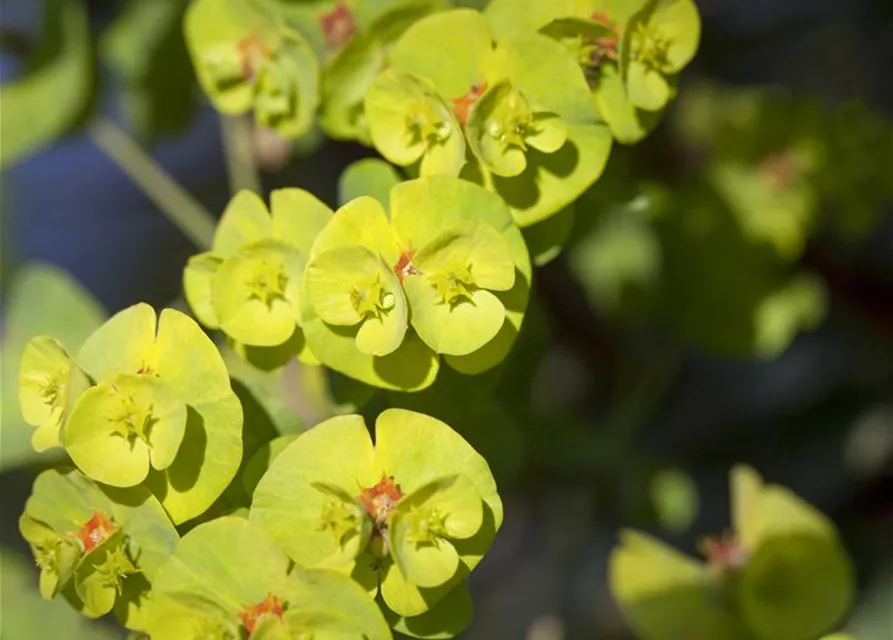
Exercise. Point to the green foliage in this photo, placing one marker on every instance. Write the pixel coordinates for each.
(781, 574)
(42, 105)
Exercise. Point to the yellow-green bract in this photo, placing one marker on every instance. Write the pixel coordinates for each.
(522, 108)
(228, 580)
(630, 51)
(408, 516)
(50, 382)
(95, 543)
(162, 400)
(443, 271)
(781, 575)
(246, 58)
(249, 285)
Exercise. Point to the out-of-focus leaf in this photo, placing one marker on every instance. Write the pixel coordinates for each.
(675, 499)
(369, 177)
(145, 49)
(43, 104)
(25, 614)
(42, 301)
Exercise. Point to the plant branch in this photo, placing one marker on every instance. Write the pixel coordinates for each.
(176, 203)
(236, 133)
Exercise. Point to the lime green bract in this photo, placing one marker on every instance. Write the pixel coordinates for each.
(413, 513)
(443, 272)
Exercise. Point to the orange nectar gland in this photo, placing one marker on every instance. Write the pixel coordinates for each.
(252, 51)
(404, 266)
(337, 25)
(380, 499)
(462, 105)
(272, 605)
(96, 530)
(606, 46)
(725, 554)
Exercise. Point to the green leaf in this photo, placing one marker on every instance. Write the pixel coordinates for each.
(525, 16)
(362, 222)
(551, 181)
(27, 615)
(648, 89)
(368, 177)
(245, 220)
(421, 50)
(298, 217)
(549, 76)
(628, 125)
(56, 554)
(546, 239)
(458, 328)
(680, 23)
(339, 453)
(260, 462)
(447, 619)
(198, 279)
(184, 358)
(418, 449)
(328, 605)
(408, 120)
(664, 594)
(42, 300)
(796, 586)
(41, 106)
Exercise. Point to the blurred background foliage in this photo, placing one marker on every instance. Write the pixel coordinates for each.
(724, 294)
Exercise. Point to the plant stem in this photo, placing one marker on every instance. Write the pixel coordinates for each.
(176, 203)
(236, 132)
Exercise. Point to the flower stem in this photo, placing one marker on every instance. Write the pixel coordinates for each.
(176, 203)
(243, 174)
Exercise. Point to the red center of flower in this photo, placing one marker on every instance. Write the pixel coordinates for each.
(97, 529)
(252, 50)
(272, 605)
(462, 105)
(606, 46)
(404, 266)
(337, 25)
(725, 553)
(779, 169)
(381, 498)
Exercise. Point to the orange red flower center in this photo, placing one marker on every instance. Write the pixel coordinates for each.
(337, 25)
(380, 499)
(95, 531)
(272, 605)
(463, 104)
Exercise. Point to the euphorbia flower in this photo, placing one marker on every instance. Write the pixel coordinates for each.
(162, 407)
(245, 59)
(94, 538)
(780, 574)
(49, 384)
(412, 513)
(228, 579)
(445, 272)
(249, 284)
(122, 426)
(522, 104)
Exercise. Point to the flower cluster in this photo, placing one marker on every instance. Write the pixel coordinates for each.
(781, 574)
